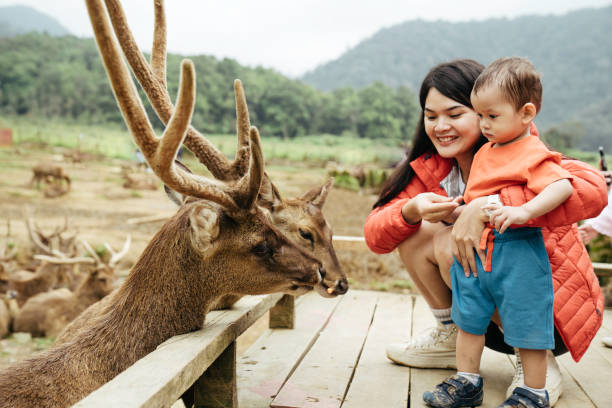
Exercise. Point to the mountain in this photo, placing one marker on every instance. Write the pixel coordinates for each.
(15, 20)
(573, 52)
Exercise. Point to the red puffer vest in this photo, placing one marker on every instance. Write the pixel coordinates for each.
(578, 302)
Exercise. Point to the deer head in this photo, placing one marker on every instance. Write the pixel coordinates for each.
(53, 244)
(290, 216)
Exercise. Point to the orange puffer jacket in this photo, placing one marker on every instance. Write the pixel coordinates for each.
(578, 302)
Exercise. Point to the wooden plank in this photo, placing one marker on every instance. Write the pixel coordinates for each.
(497, 372)
(592, 373)
(422, 380)
(324, 374)
(496, 368)
(157, 380)
(572, 396)
(606, 352)
(265, 366)
(377, 381)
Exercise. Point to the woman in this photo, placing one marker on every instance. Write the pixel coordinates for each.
(420, 202)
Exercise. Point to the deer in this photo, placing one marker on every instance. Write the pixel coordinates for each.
(8, 253)
(49, 172)
(140, 181)
(301, 219)
(47, 313)
(5, 316)
(219, 242)
(52, 272)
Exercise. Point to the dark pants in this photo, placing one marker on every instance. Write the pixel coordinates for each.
(494, 339)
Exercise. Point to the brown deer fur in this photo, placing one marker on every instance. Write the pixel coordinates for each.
(46, 314)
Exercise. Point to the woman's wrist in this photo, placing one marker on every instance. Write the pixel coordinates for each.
(478, 203)
(410, 214)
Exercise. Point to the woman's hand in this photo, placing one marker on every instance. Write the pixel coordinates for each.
(466, 235)
(430, 207)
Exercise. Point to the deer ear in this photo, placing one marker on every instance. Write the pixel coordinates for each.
(317, 195)
(269, 196)
(175, 197)
(204, 223)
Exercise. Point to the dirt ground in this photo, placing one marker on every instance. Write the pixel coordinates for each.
(100, 210)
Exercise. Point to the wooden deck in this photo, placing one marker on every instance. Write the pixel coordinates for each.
(334, 357)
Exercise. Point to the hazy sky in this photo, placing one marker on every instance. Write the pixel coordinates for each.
(291, 36)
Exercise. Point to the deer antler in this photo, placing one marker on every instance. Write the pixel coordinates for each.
(91, 251)
(152, 78)
(64, 261)
(160, 152)
(35, 235)
(116, 256)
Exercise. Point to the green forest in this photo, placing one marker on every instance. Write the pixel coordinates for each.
(573, 53)
(63, 77)
(369, 92)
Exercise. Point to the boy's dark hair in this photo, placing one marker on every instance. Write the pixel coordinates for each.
(516, 77)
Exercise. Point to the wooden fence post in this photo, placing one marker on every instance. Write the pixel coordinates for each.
(282, 315)
(216, 388)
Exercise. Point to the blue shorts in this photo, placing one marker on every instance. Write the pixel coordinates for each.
(519, 286)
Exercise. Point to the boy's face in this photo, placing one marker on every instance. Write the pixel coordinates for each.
(500, 122)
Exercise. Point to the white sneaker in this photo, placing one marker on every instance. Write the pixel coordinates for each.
(436, 349)
(553, 377)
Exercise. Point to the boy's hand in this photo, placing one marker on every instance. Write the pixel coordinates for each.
(504, 217)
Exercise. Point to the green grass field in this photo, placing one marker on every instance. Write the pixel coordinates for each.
(115, 142)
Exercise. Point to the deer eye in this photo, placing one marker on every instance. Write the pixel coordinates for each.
(262, 249)
(306, 235)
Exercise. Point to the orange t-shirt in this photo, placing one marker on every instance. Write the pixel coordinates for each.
(527, 161)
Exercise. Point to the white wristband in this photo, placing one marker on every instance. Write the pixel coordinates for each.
(493, 199)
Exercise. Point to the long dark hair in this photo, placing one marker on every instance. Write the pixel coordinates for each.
(454, 80)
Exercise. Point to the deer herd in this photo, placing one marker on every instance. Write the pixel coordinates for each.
(56, 286)
(233, 235)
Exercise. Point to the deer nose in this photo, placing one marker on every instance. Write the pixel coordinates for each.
(341, 287)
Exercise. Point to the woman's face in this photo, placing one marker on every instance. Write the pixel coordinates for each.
(452, 127)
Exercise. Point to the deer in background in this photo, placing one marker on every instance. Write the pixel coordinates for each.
(48, 173)
(219, 242)
(51, 273)
(300, 219)
(46, 314)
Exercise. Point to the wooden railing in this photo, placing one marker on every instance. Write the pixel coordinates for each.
(204, 360)
(602, 269)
